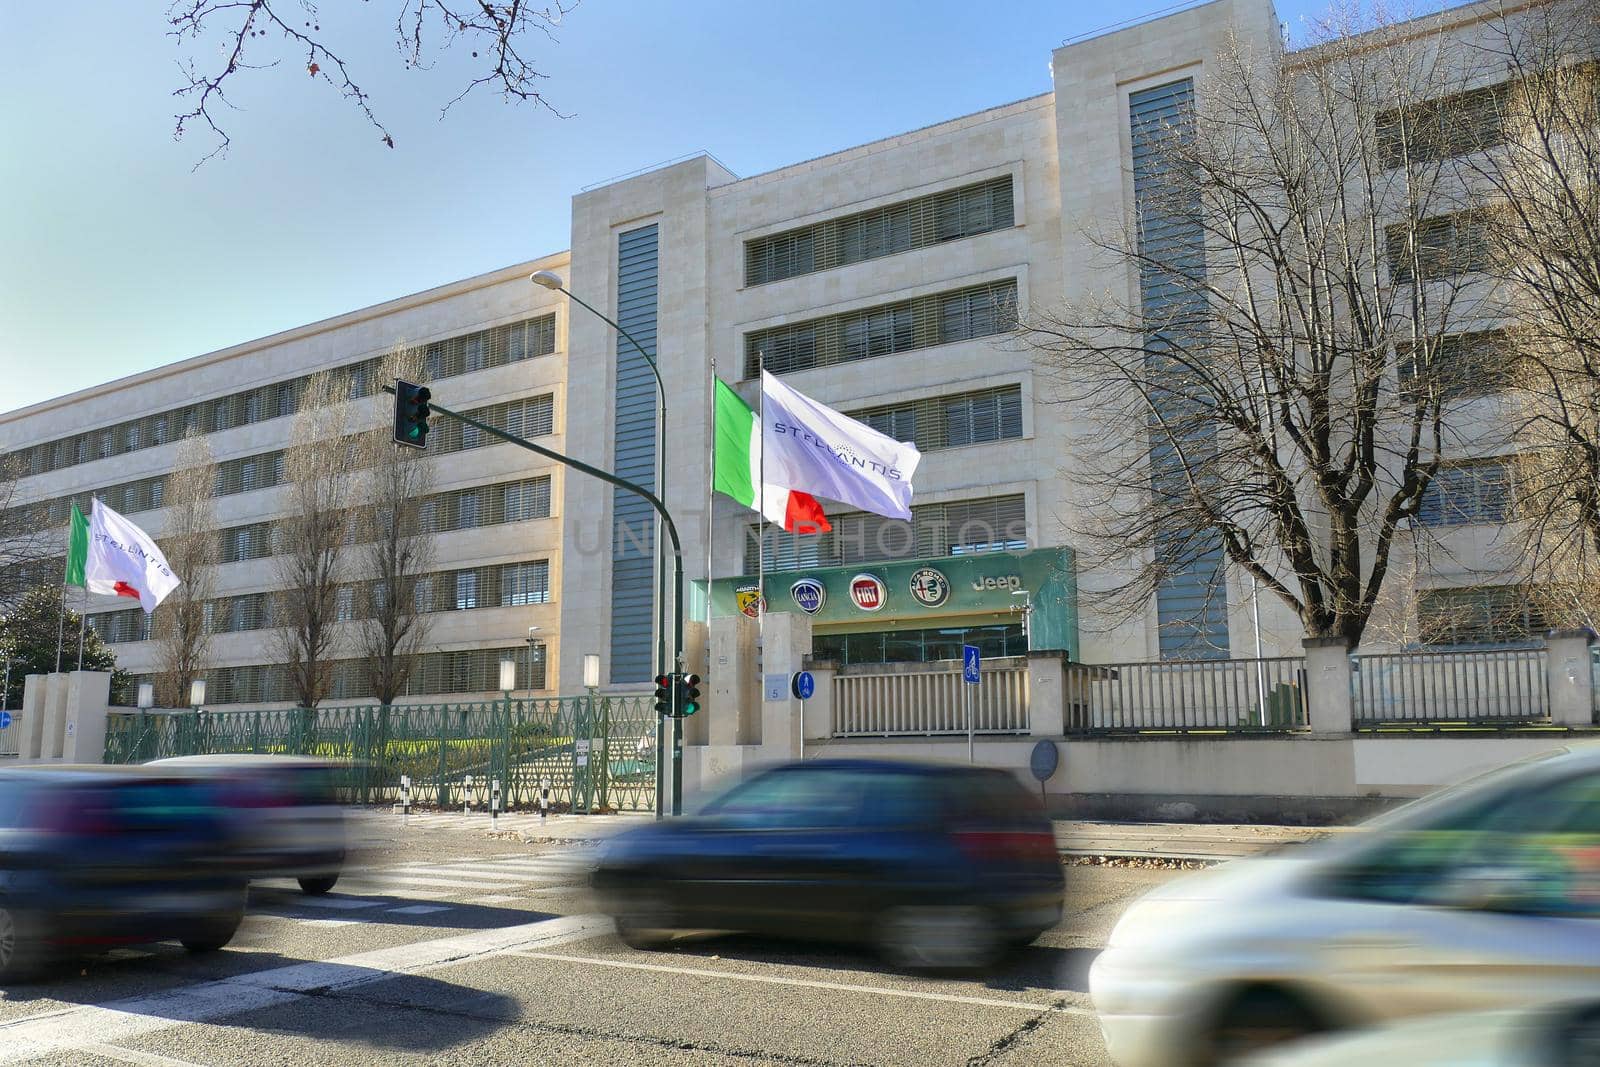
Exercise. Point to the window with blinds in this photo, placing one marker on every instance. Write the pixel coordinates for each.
(993, 524)
(927, 220)
(1465, 493)
(1460, 365)
(922, 322)
(1478, 615)
(531, 417)
(938, 422)
(1444, 128)
(525, 583)
(459, 355)
(1445, 246)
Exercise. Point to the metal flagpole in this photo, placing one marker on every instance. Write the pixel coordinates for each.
(83, 625)
(761, 508)
(711, 497)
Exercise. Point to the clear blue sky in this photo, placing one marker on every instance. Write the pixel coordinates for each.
(116, 256)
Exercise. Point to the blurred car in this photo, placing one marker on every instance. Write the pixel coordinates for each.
(939, 866)
(1560, 1035)
(95, 856)
(1483, 896)
(289, 821)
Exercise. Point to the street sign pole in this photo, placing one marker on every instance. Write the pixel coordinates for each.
(971, 664)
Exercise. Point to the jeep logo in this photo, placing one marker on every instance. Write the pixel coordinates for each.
(1006, 581)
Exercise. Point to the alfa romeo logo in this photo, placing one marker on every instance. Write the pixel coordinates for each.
(929, 587)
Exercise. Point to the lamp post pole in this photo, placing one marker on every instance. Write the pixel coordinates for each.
(549, 279)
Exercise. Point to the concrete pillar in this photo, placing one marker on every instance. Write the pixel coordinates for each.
(731, 685)
(697, 660)
(1329, 705)
(32, 716)
(88, 700)
(1570, 677)
(818, 713)
(1046, 694)
(786, 642)
(55, 716)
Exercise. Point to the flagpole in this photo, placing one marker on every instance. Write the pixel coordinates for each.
(83, 625)
(761, 509)
(711, 495)
(61, 619)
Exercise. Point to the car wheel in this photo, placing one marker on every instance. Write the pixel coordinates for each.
(21, 946)
(214, 931)
(1254, 1020)
(939, 938)
(644, 920)
(316, 886)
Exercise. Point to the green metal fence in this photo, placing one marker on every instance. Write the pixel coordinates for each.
(597, 753)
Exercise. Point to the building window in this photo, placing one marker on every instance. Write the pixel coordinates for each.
(1444, 128)
(344, 603)
(922, 322)
(467, 509)
(422, 594)
(1465, 493)
(1458, 365)
(528, 500)
(525, 583)
(1445, 246)
(884, 231)
(466, 590)
(1478, 615)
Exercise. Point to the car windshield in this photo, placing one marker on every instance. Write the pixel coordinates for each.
(805, 797)
(1467, 791)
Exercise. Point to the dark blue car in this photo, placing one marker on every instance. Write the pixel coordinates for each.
(939, 866)
(92, 857)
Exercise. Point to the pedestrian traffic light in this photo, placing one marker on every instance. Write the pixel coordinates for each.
(665, 684)
(411, 413)
(688, 695)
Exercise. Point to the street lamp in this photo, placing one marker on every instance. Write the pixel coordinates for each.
(508, 677)
(1027, 617)
(197, 693)
(147, 696)
(531, 642)
(591, 671)
(549, 279)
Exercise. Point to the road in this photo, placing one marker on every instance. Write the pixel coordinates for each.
(454, 946)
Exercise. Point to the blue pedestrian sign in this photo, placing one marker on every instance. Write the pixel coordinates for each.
(803, 685)
(970, 663)
(5, 719)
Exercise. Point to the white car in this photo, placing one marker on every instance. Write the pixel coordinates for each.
(1484, 896)
(1559, 1035)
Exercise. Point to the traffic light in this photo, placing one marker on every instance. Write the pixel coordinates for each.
(411, 413)
(688, 695)
(665, 684)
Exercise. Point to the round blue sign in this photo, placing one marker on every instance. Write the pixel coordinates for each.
(5, 719)
(803, 685)
(1044, 760)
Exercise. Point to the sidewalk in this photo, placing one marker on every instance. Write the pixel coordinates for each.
(1210, 842)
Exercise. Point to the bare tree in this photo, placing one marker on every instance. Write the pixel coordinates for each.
(313, 536)
(1299, 257)
(189, 541)
(238, 32)
(29, 554)
(1544, 167)
(397, 551)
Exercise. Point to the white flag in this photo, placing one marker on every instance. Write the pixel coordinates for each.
(123, 561)
(812, 448)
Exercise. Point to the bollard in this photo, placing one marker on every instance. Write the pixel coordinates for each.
(544, 800)
(405, 797)
(494, 801)
(466, 794)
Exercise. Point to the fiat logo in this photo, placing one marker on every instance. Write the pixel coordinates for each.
(868, 592)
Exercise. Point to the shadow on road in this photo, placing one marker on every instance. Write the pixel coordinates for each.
(374, 908)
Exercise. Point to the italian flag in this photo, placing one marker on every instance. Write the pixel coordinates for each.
(738, 469)
(109, 555)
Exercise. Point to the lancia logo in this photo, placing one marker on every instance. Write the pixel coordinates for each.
(929, 587)
(809, 595)
(868, 592)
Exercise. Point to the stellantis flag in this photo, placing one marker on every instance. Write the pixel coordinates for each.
(812, 448)
(110, 555)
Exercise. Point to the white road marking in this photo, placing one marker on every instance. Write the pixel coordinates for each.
(808, 983)
(323, 922)
(500, 899)
(382, 882)
(419, 909)
(133, 1055)
(336, 903)
(34, 1036)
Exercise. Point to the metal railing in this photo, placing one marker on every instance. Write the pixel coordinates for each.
(1477, 685)
(1235, 695)
(597, 753)
(920, 703)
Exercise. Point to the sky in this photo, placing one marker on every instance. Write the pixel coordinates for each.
(118, 254)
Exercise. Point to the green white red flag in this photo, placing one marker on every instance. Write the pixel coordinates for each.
(738, 472)
(109, 555)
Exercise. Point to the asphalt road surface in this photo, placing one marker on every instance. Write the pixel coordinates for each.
(450, 946)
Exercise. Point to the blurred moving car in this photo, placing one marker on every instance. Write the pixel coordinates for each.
(1483, 896)
(95, 856)
(289, 821)
(1558, 1035)
(939, 866)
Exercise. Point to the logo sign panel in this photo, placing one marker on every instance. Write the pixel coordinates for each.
(809, 595)
(970, 664)
(1004, 581)
(929, 587)
(868, 592)
(750, 600)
